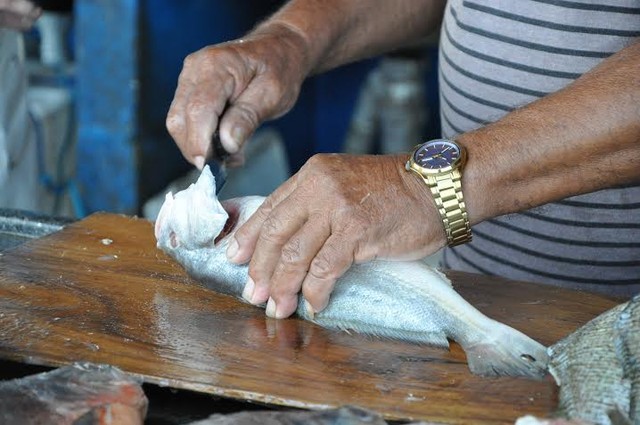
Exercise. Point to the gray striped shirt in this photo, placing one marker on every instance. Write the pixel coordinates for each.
(497, 55)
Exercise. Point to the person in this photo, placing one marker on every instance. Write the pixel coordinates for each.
(543, 95)
(15, 134)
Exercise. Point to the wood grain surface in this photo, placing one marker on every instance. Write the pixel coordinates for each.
(100, 291)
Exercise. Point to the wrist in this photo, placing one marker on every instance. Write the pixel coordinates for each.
(421, 196)
(292, 45)
(494, 183)
(439, 163)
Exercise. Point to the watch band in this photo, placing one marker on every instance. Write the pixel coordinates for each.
(446, 189)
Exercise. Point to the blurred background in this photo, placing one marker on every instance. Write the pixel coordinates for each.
(100, 78)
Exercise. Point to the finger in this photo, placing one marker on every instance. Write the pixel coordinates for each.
(200, 97)
(243, 244)
(176, 117)
(293, 265)
(239, 122)
(259, 101)
(176, 125)
(332, 261)
(283, 222)
(202, 109)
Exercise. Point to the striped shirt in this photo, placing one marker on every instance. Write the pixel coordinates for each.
(498, 55)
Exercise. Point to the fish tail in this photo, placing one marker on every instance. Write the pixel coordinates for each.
(507, 352)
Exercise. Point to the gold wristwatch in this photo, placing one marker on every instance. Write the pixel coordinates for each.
(439, 163)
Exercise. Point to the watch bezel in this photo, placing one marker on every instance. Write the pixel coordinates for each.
(457, 163)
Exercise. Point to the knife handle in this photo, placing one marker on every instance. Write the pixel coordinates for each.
(218, 150)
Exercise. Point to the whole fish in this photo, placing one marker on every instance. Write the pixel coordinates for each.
(596, 368)
(404, 300)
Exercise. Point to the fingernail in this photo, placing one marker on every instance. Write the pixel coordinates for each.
(247, 292)
(198, 161)
(271, 308)
(232, 249)
(238, 134)
(309, 309)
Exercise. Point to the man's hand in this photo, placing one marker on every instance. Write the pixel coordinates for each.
(18, 14)
(336, 211)
(234, 87)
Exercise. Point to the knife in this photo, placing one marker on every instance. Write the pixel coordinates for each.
(216, 161)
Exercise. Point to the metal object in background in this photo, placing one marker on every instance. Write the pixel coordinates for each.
(52, 120)
(106, 34)
(18, 182)
(36, 156)
(53, 30)
(391, 112)
(17, 227)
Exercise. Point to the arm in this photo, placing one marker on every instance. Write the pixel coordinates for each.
(580, 139)
(336, 32)
(236, 86)
(339, 210)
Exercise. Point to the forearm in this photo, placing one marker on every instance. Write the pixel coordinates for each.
(580, 139)
(335, 32)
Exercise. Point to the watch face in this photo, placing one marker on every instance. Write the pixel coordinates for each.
(437, 154)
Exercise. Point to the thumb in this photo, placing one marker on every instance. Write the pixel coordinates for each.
(263, 99)
(238, 123)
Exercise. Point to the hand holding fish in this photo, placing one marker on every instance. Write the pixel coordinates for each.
(234, 87)
(336, 211)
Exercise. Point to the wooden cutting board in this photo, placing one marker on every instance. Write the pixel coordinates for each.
(100, 291)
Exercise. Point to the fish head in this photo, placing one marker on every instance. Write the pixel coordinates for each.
(192, 218)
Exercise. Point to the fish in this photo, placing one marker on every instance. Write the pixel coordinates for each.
(81, 393)
(627, 332)
(596, 368)
(345, 415)
(402, 300)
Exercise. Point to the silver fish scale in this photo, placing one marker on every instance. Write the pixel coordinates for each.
(422, 319)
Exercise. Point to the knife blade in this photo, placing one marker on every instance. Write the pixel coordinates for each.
(216, 161)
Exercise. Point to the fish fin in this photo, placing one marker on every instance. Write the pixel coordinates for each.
(507, 352)
(436, 339)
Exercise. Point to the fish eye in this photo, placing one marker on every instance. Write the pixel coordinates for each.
(173, 239)
(528, 358)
